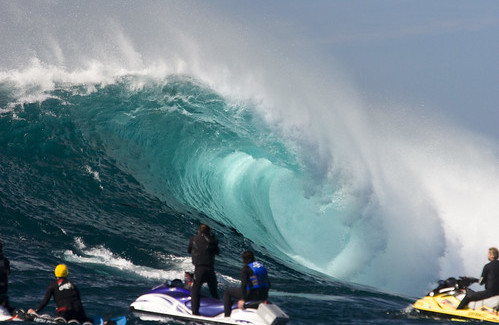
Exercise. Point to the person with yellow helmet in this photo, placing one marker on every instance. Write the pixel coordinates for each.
(66, 297)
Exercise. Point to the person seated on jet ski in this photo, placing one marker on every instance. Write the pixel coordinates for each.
(66, 297)
(4, 280)
(490, 277)
(255, 284)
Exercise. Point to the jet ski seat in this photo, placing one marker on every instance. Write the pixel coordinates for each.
(492, 302)
(209, 307)
(251, 304)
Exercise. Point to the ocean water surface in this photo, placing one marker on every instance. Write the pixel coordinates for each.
(116, 142)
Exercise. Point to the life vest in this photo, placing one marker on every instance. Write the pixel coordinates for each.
(259, 279)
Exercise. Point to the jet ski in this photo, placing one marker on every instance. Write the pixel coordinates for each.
(443, 301)
(172, 301)
(19, 315)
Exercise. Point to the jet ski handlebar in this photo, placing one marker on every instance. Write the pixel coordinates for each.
(466, 281)
(453, 284)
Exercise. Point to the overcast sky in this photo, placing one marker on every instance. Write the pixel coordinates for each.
(442, 55)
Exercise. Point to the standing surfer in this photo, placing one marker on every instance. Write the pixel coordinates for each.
(203, 247)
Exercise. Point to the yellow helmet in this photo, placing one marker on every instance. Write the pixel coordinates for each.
(61, 271)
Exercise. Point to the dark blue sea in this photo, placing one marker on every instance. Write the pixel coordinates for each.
(124, 125)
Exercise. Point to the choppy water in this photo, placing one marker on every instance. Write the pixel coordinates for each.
(111, 155)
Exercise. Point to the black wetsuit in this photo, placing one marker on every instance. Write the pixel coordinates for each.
(490, 277)
(203, 249)
(4, 281)
(246, 292)
(67, 300)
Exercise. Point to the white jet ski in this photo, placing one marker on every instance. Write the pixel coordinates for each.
(172, 301)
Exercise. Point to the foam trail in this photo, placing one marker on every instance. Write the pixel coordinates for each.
(105, 258)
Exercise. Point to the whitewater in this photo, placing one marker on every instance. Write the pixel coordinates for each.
(117, 143)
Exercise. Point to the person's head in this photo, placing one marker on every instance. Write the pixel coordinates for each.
(248, 257)
(203, 229)
(493, 253)
(61, 271)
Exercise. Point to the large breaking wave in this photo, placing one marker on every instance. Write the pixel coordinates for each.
(298, 164)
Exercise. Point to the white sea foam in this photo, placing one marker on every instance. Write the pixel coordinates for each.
(106, 258)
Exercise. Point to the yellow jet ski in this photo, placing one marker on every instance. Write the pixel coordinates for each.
(443, 301)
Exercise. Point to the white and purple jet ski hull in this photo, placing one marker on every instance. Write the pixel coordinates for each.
(174, 302)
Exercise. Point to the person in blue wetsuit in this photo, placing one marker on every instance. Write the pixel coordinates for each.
(255, 284)
(4, 279)
(203, 247)
(490, 277)
(66, 297)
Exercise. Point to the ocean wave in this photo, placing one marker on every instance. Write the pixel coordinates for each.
(321, 188)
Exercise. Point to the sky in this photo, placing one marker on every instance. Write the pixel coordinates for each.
(433, 55)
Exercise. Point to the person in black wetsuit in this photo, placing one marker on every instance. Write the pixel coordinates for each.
(255, 284)
(66, 297)
(490, 277)
(203, 247)
(4, 279)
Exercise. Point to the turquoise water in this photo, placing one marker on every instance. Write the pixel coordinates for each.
(114, 181)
